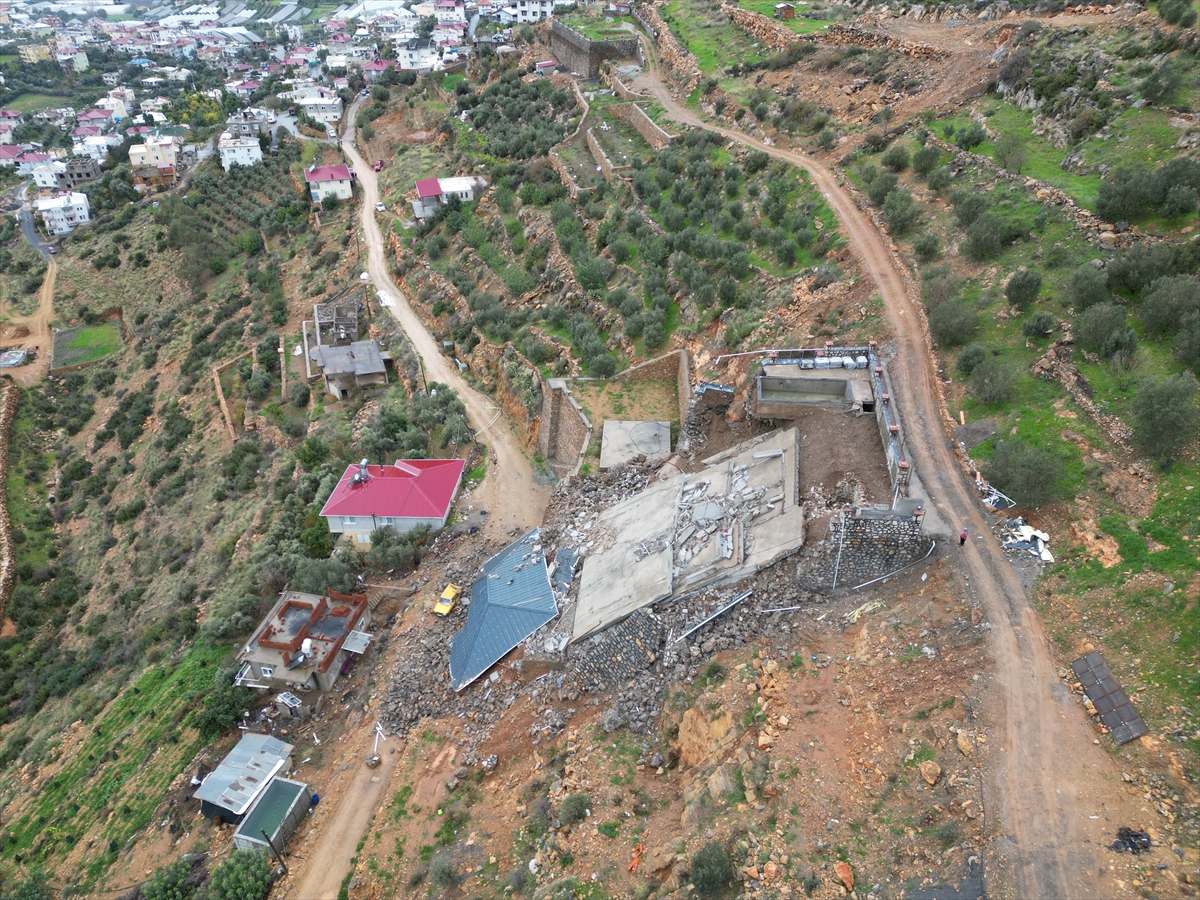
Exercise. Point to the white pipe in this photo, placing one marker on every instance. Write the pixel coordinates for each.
(837, 565)
(932, 547)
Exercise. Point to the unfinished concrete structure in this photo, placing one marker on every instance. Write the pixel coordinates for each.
(623, 440)
(737, 515)
(336, 322)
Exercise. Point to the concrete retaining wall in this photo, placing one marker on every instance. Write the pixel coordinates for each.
(636, 116)
(874, 544)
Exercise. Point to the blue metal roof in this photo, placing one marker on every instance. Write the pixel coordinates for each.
(510, 600)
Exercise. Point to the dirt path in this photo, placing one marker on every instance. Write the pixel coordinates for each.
(510, 493)
(1047, 777)
(328, 861)
(40, 334)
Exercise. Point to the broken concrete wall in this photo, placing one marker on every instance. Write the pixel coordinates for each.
(874, 544)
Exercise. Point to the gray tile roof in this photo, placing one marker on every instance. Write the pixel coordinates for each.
(510, 600)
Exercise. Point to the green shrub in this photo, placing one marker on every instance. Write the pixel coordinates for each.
(711, 869)
(881, 186)
(1028, 474)
(925, 160)
(1038, 325)
(968, 206)
(1023, 287)
(299, 394)
(900, 211)
(574, 808)
(1187, 341)
(1168, 301)
(442, 871)
(985, 237)
(896, 158)
(1164, 413)
(940, 179)
(1087, 287)
(170, 882)
(971, 136)
(953, 323)
(970, 357)
(993, 381)
(1096, 324)
(243, 875)
(927, 247)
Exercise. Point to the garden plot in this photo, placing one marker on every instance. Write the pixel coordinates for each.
(620, 140)
(580, 162)
(85, 344)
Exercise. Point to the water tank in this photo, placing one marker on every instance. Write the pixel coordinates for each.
(822, 362)
(835, 362)
(847, 362)
(861, 362)
(306, 646)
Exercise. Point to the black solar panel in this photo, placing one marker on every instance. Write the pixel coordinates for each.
(1111, 702)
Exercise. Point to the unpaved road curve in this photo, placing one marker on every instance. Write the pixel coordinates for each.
(514, 500)
(510, 494)
(40, 335)
(1047, 775)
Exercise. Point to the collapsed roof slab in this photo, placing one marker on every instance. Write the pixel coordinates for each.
(622, 440)
(739, 514)
(631, 565)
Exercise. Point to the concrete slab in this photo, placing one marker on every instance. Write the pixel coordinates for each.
(630, 566)
(622, 440)
(739, 514)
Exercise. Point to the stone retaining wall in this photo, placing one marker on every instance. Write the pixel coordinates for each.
(636, 116)
(1056, 365)
(680, 64)
(607, 169)
(8, 562)
(674, 365)
(841, 35)
(582, 55)
(774, 34)
(566, 175)
(217, 372)
(874, 544)
(620, 88)
(564, 432)
(1095, 229)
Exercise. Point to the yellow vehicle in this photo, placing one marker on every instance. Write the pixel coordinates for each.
(447, 601)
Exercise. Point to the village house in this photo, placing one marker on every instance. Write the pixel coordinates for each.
(238, 150)
(418, 54)
(306, 642)
(154, 151)
(403, 496)
(325, 181)
(63, 213)
(433, 192)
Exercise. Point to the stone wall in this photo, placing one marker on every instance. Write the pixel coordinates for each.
(217, 372)
(582, 55)
(841, 35)
(636, 116)
(681, 65)
(564, 432)
(620, 88)
(875, 543)
(8, 561)
(607, 169)
(566, 175)
(1056, 365)
(774, 34)
(674, 365)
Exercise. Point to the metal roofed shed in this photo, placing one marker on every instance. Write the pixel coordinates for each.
(357, 642)
(1108, 697)
(278, 811)
(231, 788)
(510, 600)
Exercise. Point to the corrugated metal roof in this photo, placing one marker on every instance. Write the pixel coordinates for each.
(510, 600)
(357, 642)
(245, 772)
(411, 489)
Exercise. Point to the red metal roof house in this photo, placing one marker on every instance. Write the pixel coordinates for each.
(412, 492)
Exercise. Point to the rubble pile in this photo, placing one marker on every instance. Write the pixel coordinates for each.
(838, 35)
(1016, 536)
(620, 653)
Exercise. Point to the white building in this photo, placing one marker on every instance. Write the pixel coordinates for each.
(62, 213)
(523, 11)
(433, 192)
(325, 181)
(324, 106)
(46, 174)
(419, 55)
(238, 150)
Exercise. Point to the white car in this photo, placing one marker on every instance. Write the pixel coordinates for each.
(271, 119)
(380, 207)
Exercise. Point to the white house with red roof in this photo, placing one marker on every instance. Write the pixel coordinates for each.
(433, 192)
(325, 181)
(412, 492)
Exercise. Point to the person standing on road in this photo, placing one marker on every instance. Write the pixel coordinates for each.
(962, 538)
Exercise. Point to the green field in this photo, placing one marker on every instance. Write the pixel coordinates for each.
(86, 344)
(716, 42)
(597, 29)
(31, 102)
(798, 24)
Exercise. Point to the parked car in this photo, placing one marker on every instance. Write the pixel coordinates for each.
(378, 165)
(380, 207)
(271, 119)
(449, 598)
(366, 93)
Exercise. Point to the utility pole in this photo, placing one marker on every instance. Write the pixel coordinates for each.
(278, 854)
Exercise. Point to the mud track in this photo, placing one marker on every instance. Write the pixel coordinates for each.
(1047, 776)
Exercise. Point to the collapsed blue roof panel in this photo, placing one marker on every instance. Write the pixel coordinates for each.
(510, 600)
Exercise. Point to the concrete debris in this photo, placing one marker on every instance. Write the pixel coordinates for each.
(1016, 536)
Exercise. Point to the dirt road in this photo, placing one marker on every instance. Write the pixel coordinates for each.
(1047, 775)
(40, 334)
(510, 493)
